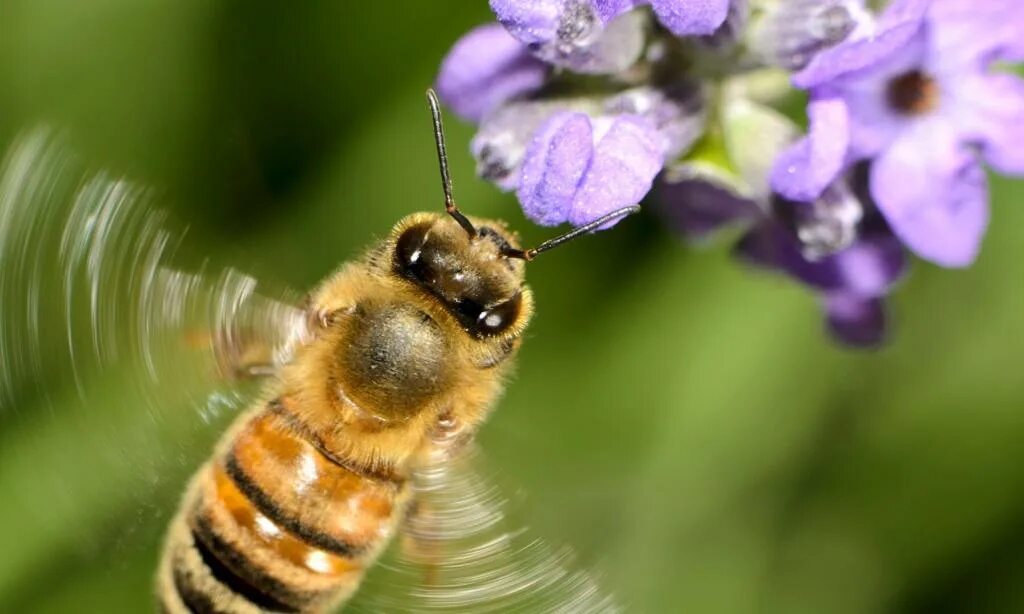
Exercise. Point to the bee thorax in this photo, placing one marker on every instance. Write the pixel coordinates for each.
(392, 359)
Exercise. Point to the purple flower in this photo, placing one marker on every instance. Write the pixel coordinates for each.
(659, 123)
(919, 100)
(852, 283)
(588, 36)
(582, 104)
(500, 143)
(485, 68)
(597, 36)
(791, 33)
(691, 17)
(578, 168)
(851, 263)
(699, 209)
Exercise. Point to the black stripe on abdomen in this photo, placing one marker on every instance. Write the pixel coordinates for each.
(236, 572)
(195, 600)
(266, 505)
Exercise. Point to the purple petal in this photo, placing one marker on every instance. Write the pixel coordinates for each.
(676, 110)
(977, 32)
(555, 162)
(855, 320)
(537, 21)
(991, 112)
(867, 268)
(485, 68)
(501, 141)
(772, 246)
(588, 36)
(626, 159)
(531, 21)
(901, 21)
(610, 9)
(871, 266)
(933, 194)
(790, 33)
(691, 17)
(873, 122)
(597, 50)
(698, 208)
(899, 12)
(827, 225)
(806, 168)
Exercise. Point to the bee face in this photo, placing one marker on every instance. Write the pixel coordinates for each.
(469, 276)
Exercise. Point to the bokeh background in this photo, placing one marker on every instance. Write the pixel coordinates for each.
(682, 423)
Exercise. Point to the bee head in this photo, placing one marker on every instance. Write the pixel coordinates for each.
(474, 267)
(470, 275)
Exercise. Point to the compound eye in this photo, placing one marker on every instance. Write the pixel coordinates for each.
(410, 259)
(498, 318)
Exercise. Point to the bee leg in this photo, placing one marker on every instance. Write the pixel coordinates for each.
(422, 542)
(239, 355)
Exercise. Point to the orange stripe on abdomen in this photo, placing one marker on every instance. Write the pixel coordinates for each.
(319, 501)
(280, 525)
(274, 537)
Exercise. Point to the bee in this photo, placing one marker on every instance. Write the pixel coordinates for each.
(407, 351)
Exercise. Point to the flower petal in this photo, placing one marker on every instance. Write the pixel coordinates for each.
(901, 21)
(676, 110)
(806, 168)
(610, 9)
(698, 209)
(772, 246)
(873, 121)
(555, 162)
(597, 50)
(589, 36)
(485, 68)
(531, 21)
(626, 159)
(691, 17)
(855, 320)
(991, 110)
(933, 193)
(868, 268)
(788, 34)
(969, 31)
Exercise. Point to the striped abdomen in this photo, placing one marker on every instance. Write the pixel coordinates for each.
(275, 523)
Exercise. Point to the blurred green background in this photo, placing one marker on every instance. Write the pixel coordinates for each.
(684, 424)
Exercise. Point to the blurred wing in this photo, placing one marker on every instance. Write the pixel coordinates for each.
(86, 287)
(461, 551)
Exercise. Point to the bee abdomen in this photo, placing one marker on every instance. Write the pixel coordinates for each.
(275, 524)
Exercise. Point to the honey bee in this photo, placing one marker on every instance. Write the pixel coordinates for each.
(406, 354)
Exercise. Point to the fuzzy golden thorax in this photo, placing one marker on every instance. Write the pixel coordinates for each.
(412, 340)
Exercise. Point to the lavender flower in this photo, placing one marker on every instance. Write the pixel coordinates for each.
(919, 99)
(836, 244)
(793, 32)
(860, 266)
(486, 68)
(583, 35)
(584, 105)
(578, 168)
(601, 36)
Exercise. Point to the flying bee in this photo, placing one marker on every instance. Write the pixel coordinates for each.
(405, 355)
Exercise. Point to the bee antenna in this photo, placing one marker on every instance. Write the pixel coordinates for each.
(442, 160)
(530, 254)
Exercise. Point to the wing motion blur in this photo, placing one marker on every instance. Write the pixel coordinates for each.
(463, 550)
(90, 256)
